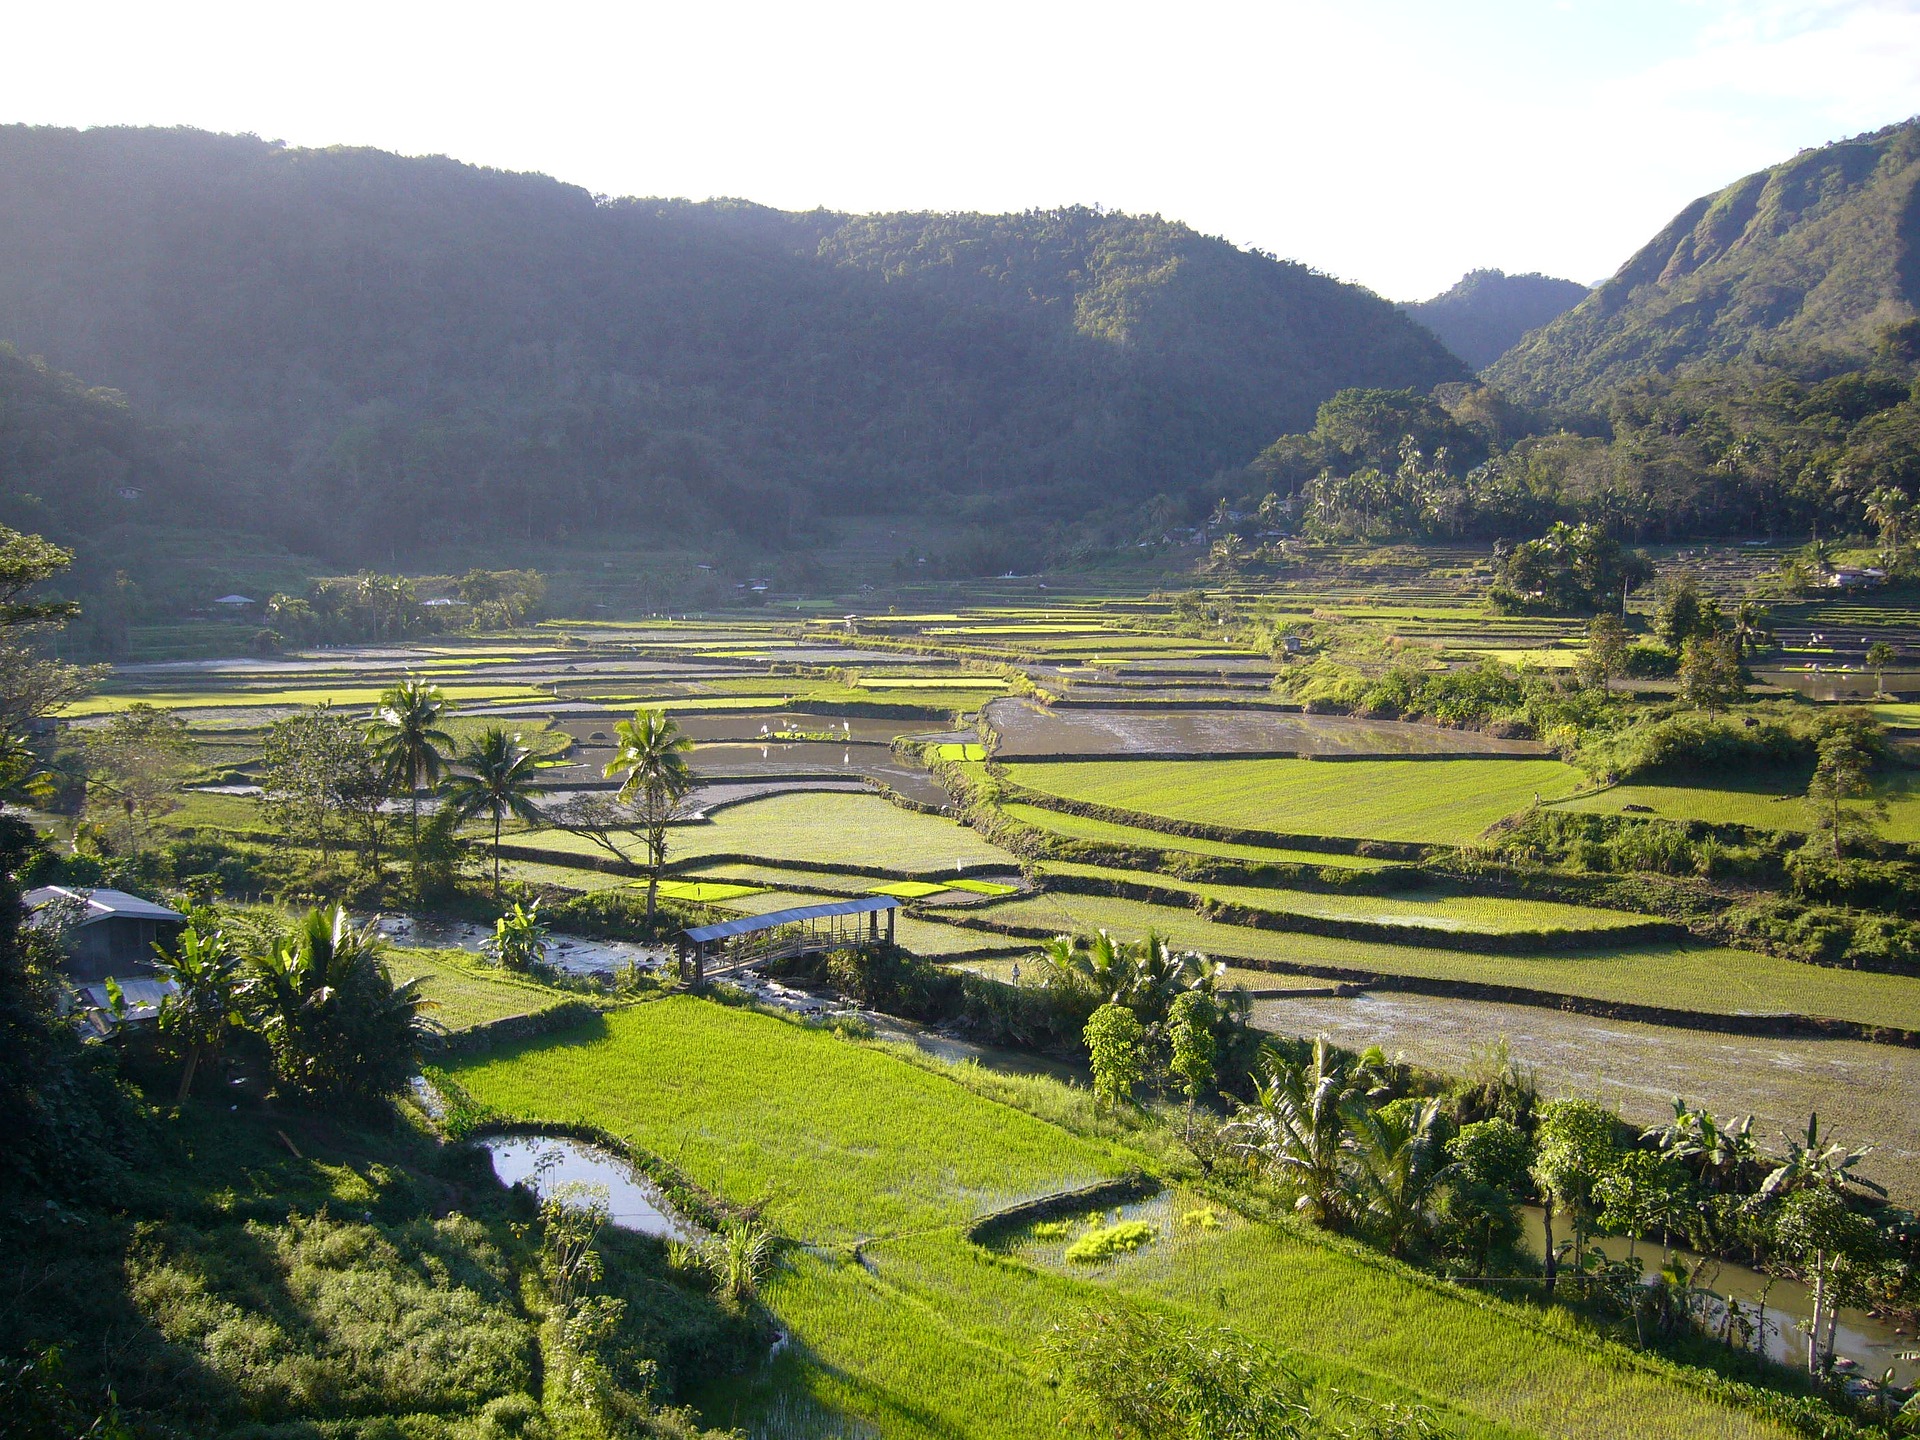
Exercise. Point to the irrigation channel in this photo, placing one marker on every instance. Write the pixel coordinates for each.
(1866, 1092)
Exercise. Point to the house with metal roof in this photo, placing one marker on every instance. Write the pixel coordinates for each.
(114, 932)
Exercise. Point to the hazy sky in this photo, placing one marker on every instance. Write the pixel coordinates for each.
(1393, 142)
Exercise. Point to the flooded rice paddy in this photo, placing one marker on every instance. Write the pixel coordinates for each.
(1868, 1092)
(1029, 732)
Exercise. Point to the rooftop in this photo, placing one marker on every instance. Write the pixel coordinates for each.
(101, 904)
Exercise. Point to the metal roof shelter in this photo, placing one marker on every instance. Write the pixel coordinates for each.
(116, 931)
(730, 945)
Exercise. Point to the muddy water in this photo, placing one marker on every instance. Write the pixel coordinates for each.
(552, 1167)
(1027, 730)
(570, 953)
(1869, 1092)
(1869, 1343)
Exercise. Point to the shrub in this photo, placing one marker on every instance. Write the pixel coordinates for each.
(1096, 1247)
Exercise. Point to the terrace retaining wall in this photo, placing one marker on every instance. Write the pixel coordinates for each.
(489, 1033)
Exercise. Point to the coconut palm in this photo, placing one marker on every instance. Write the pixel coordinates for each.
(498, 782)
(1400, 1166)
(1297, 1128)
(650, 758)
(336, 1024)
(409, 743)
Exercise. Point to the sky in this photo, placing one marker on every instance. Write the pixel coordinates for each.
(1396, 143)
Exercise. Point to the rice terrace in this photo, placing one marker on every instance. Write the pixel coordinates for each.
(641, 819)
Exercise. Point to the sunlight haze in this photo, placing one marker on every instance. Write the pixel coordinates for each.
(1380, 142)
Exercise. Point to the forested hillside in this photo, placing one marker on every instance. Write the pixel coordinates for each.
(1482, 316)
(1822, 250)
(370, 353)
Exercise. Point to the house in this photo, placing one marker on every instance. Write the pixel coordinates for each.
(115, 933)
(235, 602)
(1849, 577)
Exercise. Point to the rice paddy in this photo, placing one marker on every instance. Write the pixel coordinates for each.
(1432, 802)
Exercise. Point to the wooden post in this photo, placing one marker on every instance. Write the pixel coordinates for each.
(890, 914)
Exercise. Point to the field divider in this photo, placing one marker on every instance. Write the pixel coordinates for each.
(1134, 1185)
(1013, 791)
(1777, 1025)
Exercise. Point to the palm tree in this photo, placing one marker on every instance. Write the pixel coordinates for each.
(650, 756)
(206, 974)
(498, 783)
(1297, 1127)
(1400, 1168)
(338, 1027)
(409, 743)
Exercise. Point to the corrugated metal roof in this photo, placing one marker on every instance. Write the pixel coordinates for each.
(749, 924)
(102, 904)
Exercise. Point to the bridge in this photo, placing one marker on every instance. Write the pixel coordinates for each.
(733, 945)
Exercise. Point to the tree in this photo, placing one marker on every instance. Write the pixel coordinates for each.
(1818, 1227)
(498, 783)
(650, 757)
(137, 760)
(406, 736)
(313, 766)
(1685, 613)
(1195, 1051)
(1641, 1193)
(1486, 1177)
(1575, 1146)
(1843, 777)
(1710, 676)
(204, 1007)
(1606, 652)
(1879, 656)
(1296, 1127)
(1571, 570)
(1113, 1035)
(338, 1027)
(1401, 1165)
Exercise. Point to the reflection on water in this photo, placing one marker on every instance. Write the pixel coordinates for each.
(571, 953)
(1026, 729)
(1787, 1305)
(549, 1166)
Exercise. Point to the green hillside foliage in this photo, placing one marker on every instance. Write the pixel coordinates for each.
(376, 354)
(1817, 251)
(1487, 311)
(1770, 445)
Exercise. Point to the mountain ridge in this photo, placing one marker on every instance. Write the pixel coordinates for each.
(1821, 250)
(376, 351)
(1486, 312)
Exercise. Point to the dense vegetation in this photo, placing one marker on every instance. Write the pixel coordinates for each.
(1487, 311)
(369, 353)
(1814, 252)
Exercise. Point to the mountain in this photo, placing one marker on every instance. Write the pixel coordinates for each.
(1821, 251)
(1483, 315)
(373, 353)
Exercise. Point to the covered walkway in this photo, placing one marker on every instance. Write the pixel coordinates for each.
(781, 934)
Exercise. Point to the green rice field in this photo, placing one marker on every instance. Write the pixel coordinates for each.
(1434, 802)
(1433, 908)
(1079, 827)
(840, 828)
(1764, 805)
(464, 993)
(1680, 977)
(836, 1140)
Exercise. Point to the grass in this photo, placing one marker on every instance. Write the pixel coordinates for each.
(908, 889)
(344, 696)
(706, 891)
(1439, 802)
(1299, 1293)
(1770, 803)
(465, 995)
(835, 1140)
(1433, 908)
(1681, 977)
(1079, 827)
(837, 828)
